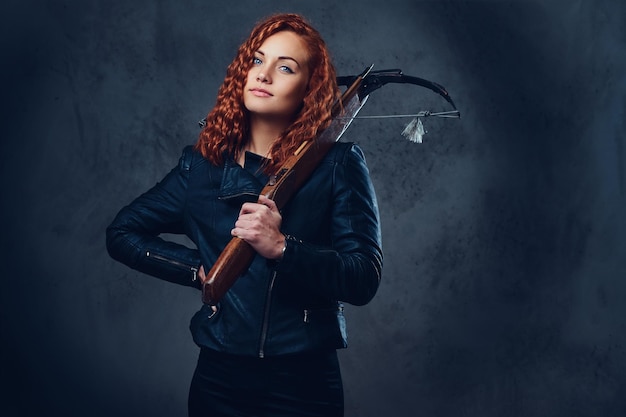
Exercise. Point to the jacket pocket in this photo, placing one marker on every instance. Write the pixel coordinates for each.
(322, 313)
(174, 263)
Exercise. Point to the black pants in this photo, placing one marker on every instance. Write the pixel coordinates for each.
(295, 385)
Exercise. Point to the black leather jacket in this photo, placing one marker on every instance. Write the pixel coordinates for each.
(276, 308)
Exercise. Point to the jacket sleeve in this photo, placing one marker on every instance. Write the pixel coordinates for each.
(133, 236)
(350, 270)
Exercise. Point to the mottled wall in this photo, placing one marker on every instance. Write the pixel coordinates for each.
(503, 232)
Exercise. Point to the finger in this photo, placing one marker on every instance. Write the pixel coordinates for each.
(268, 202)
(247, 208)
(239, 232)
(254, 208)
(202, 274)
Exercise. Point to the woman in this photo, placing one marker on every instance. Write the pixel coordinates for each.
(270, 347)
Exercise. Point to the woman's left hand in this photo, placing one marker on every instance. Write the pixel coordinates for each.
(259, 225)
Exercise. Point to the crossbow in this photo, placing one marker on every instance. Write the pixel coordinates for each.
(237, 256)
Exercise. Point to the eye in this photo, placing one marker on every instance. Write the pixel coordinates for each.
(256, 61)
(285, 69)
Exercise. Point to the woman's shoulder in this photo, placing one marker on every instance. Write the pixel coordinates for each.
(343, 152)
(191, 159)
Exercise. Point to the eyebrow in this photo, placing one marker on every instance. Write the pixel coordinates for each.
(281, 57)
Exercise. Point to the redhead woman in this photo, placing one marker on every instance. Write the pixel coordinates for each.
(270, 346)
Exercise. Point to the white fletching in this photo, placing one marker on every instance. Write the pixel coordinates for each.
(414, 131)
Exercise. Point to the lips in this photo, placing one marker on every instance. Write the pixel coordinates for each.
(259, 92)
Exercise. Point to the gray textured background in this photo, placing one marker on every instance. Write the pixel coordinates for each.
(505, 244)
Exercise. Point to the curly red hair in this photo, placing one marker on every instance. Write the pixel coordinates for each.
(227, 127)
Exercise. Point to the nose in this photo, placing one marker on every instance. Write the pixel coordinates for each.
(262, 77)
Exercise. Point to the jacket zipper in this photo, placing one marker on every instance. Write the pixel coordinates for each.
(237, 195)
(193, 269)
(266, 316)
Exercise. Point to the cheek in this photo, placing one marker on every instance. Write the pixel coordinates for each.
(247, 79)
(298, 91)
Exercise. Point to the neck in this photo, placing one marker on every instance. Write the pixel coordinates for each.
(263, 132)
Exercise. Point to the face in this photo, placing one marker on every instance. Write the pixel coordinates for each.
(277, 81)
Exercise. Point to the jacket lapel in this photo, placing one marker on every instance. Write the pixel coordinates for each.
(238, 184)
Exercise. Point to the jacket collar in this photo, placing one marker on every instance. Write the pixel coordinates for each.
(239, 184)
